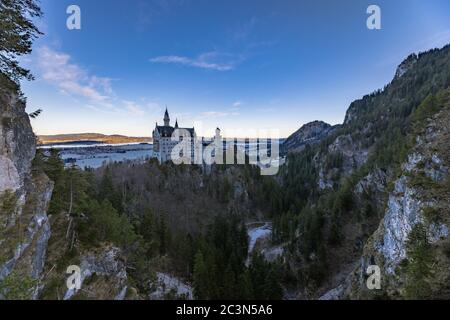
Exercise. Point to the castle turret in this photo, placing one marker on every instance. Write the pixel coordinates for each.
(166, 118)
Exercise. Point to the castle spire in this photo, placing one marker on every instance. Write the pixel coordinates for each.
(166, 118)
(176, 124)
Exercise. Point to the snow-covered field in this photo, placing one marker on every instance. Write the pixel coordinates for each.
(95, 155)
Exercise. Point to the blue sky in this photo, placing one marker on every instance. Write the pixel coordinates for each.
(242, 65)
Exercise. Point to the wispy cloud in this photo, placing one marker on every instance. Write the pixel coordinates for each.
(209, 60)
(217, 114)
(133, 108)
(213, 114)
(243, 31)
(57, 68)
(237, 104)
(149, 11)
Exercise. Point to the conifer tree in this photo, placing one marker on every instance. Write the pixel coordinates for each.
(17, 32)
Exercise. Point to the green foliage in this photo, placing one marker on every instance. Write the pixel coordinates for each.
(333, 160)
(420, 180)
(8, 202)
(103, 224)
(15, 287)
(35, 114)
(265, 279)
(386, 123)
(202, 278)
(425, 110)
(418, 268)
(432, 215)
(71, 186)
(148, 228)
(17, 32)
(220, 271)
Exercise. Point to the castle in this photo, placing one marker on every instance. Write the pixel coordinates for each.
(166, 137)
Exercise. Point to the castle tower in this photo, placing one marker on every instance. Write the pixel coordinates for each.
(218, 136)
(166, 118)
(176, 124)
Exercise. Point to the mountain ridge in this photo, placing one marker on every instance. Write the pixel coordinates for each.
(97, 137)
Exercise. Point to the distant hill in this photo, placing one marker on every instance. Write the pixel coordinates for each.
(310, 133)
(90, 137)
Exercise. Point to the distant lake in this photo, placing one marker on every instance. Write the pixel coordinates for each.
(88, 154)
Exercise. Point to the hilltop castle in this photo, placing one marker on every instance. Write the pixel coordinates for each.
(166, 137)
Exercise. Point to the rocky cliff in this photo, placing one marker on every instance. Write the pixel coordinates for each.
(24, 196)
(36, 249)
(17, 141)
(367, 185)
(420, 197)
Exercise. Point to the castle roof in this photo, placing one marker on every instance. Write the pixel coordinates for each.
(167, 131)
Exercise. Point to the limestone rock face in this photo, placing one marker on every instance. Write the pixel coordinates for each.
(407, 64)
(422, 187)
(166, 285)
(17, 140)
(353, 156)
(102, 263)
(24, 225)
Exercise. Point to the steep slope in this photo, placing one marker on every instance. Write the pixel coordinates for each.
(24, 198)
(420, 199)
(335, 192)
(35, 248)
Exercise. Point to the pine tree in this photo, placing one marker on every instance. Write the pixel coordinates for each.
(17, 32)
(418, 269)
(54, 168)
(201, 276)
(244, 286)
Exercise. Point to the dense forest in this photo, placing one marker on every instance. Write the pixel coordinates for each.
(326, 206)
(132, 206)
(322, 225)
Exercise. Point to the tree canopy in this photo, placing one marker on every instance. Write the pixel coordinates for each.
(17, 32)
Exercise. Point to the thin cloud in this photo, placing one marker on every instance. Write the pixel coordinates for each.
(149, 11)
(210, 60)
(213, 114)
(243, 31)
(237, 104)
(57, 68)
(217, 114)
(71, 79)
(133, 108)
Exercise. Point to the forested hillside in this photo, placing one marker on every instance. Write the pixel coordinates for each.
(335, 193)
(372, 192)
(163, 219)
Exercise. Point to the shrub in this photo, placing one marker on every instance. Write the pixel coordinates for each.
(8, 202)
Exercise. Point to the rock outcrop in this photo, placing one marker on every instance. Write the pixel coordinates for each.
(406, 65)
(310, 133)
(17, 140)
(103, 276)
(369, 201)
(420, 196)
(24, 197)
(168, 287)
